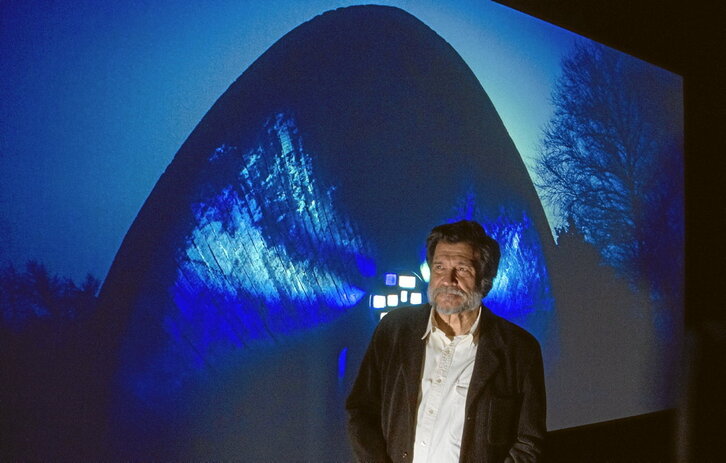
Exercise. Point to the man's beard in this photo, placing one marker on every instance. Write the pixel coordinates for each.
(471, 300)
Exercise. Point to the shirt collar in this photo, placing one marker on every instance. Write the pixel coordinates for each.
(431, 325)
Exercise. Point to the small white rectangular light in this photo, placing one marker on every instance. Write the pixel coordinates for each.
(379, 301)
(383, 314)
(392, 300)
(407, 281)
(404, 296)
(416, 298)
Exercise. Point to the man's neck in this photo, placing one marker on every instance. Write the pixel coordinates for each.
(458, 323)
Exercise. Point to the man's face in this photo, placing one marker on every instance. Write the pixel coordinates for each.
(453, 286)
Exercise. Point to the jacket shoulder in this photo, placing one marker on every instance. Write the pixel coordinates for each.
(513, 335)
(401, 323)
(404, 317)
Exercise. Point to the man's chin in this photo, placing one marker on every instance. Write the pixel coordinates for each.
(451, 310)
(450, 300)
(448, 310)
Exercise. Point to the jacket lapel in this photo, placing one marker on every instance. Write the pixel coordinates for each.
(413, 355)
(486, 362)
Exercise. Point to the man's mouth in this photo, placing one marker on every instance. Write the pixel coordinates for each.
(449, 292)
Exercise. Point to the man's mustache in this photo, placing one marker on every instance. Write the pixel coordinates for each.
(454, 291)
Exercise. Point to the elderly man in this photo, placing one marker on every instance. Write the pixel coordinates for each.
(449, 381)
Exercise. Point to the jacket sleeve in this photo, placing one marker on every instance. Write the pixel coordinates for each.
(364, 408)
(532, 426)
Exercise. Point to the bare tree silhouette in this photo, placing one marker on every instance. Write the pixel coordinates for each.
(611, 161)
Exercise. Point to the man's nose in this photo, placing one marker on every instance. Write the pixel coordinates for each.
(450, 277)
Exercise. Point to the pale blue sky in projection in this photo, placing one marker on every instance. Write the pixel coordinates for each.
(97, 97)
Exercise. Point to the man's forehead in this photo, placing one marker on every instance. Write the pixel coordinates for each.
(459, 250)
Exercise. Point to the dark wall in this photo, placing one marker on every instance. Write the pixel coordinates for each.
(687, 39)
(642, 439)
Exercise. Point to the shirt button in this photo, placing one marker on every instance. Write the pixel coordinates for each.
(430, 411)
(438, 380)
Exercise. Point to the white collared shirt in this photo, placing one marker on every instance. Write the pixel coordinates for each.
(448, 366)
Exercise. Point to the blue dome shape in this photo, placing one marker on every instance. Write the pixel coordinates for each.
(237, 304)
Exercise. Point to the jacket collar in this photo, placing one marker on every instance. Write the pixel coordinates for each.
(474, 330)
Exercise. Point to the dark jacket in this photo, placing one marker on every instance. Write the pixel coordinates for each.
(505, 406)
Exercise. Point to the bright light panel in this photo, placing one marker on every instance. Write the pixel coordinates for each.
(416, 298)
(425, 272)
(392, 300)
(404, 296)
(379, 301)
(391, 279)
(407, 281)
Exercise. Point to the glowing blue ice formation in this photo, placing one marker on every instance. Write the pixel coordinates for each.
(522, 284)
(269, 254)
